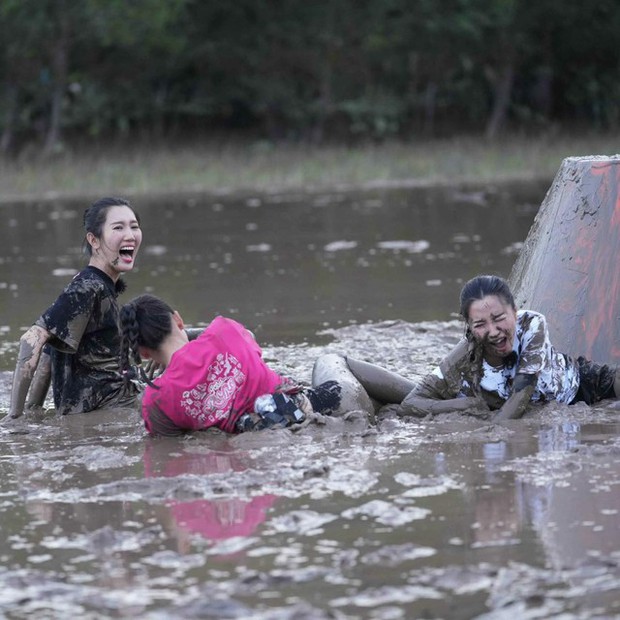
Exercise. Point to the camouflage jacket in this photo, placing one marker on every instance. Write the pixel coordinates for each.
(464, 372)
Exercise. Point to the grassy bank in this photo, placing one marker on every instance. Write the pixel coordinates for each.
(266, 167)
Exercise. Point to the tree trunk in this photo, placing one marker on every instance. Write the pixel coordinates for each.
(430, 106)
(9, 118)
(60, 72)
(501, 99)
(325, 103)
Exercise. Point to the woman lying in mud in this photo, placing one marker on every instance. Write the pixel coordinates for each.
(75, 343)
(504, 362)
(219, 380)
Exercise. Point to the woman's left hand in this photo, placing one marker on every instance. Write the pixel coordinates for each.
(153, 369)
(515, 406)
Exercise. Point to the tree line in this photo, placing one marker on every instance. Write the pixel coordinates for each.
(319, 70)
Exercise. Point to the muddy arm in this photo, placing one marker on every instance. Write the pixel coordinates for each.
(30, 346)
(194, 332)
(41, 381)
(516, 405)
(419, 406)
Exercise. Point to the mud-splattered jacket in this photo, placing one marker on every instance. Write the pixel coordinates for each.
(85, 342)
(464, 372)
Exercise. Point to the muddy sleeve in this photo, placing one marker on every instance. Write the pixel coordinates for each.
(534, 337)
(523, 381)
(443, 390)
(67, 318)
(448, 379)
(161, 425)
(432, 386)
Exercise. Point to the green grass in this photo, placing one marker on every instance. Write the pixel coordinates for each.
(262, 166)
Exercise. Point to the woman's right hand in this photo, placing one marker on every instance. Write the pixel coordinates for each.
(30, 347)
(153, 369)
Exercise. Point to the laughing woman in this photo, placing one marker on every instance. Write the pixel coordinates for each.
(219, 380)
(75, 343)
(505, 362)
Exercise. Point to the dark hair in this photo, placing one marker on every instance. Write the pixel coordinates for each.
(480, 287)
(95, 215)
(143, 322)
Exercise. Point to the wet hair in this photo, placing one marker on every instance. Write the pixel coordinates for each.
(95, 216)
(145, 321)
(479, 287)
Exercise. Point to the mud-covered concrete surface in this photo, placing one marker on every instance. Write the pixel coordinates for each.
(454, 517)
(568, 267)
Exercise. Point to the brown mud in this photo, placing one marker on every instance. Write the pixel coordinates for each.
(453, 517)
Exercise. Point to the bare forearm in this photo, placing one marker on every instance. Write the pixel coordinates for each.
(30, 346)
(419, 406)
(40, 382)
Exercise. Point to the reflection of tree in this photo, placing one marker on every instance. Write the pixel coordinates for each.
(217, 518)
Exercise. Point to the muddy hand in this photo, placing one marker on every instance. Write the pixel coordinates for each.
(515, 406)
(153, 369)
(317, 418)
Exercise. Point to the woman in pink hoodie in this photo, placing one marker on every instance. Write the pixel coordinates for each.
(219, 379)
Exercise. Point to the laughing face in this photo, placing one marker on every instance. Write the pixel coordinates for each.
(493, 323)
(115, 251)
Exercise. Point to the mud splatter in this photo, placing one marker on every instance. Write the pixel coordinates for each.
(454, 517)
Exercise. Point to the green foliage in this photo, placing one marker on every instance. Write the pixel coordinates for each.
(308, 70)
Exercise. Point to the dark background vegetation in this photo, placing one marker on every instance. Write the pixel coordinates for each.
(316, 71)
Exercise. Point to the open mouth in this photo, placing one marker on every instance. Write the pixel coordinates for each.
(126, 253)
(499, 344)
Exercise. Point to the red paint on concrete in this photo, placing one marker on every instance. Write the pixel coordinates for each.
(569, 267)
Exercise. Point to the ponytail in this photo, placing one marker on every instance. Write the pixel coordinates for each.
(129, 354)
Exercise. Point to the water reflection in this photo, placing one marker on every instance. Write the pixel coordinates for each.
(571, 504)
(452, 517)
(559, 437)
(219, 517)
(416, 517)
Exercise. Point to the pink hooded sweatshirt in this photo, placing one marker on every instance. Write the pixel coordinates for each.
(212, 380)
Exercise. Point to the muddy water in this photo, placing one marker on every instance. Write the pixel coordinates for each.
(452, 518)
(283, 264)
